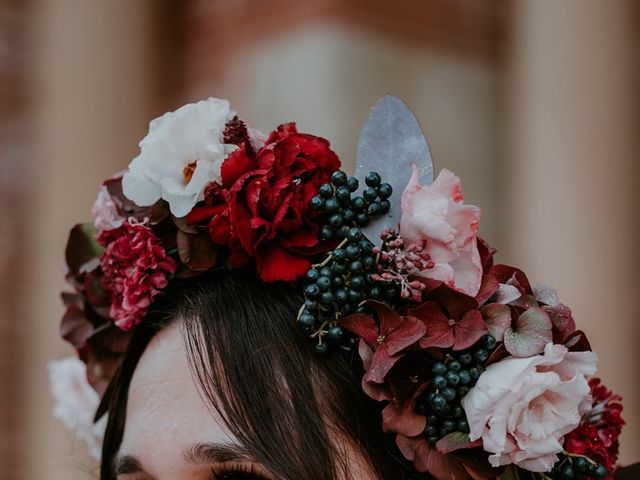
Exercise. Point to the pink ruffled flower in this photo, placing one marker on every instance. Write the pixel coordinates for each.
(135, 269)
(523, 407)
(106, 211)
(436, 213)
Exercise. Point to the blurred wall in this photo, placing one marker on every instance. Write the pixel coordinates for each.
(543, 141)
(93, 91)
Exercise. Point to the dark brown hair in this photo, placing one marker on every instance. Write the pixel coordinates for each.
(291, 408)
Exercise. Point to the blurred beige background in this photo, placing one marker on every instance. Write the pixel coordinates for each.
(534, 103)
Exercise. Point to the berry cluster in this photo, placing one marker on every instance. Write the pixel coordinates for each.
(344, 211)
(336, 286)
(577, 467)
(452, 379)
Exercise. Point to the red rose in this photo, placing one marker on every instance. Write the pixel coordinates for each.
(261, 210)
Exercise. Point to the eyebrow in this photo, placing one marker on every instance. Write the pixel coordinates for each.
(200, 453)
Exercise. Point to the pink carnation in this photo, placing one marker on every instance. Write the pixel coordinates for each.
(436, 213)
(106, 211)
(135, 269)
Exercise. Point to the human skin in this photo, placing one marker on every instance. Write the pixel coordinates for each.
(171, 434)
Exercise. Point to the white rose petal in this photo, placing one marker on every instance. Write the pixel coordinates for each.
(192, 135)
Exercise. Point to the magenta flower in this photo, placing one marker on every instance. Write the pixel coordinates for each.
(383, 341)
(135, 269)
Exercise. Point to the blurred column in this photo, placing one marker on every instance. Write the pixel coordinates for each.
(94, 87)
(571, 179)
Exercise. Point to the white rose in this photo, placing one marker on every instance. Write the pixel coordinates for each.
(523, 407)
(180, 155)
(76, 402)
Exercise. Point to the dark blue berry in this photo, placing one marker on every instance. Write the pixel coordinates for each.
(489, 342)
(438, 401)
(375, 292)
(336, 220)
(326, 272)
(338, 268)
(352, 184)
(352, 252)
(465, 358)
(312, 275)
(452, 377)
(355, 296)
(324, 283)
(449, 393)
(457, 411)
(343, 231)
(317, 203)
(339, 255)
(448, 426)
(337, 282)
(306, 320)
(312, 291)
(358, 204)
(362, 219)
(341, 296)
(310, 305)
(331, 205)
(326, 232)
(338, 178)
(356, 266)
(481, 355)
(374, 209)
(430, 431)
(369, 263)
(463, 390)
(326, 298)
(354, 235)
(343, 195)
(335, 334)
(321, 348)
(385, 206)
(600, 472)
(357, 282)
(567, 472)
(349, 215)
(373, 179)
(384, 191)
(463, 425)
(465, 377)
(439, 368)
(475, 373)
(433, 419)
(370, 194)
(365, 246)
(326, 190)
(391, 292)
(433, 440)
(439, 381)
(455, 366)
(581, 464)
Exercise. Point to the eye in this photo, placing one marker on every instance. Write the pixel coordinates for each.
(237, 472)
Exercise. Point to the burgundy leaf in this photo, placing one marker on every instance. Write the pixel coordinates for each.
(469, 330)
(455, 441)
(498, 319)
(427, 459)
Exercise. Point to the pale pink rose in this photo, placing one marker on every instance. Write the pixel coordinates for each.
(436, 213)
(76, 402)
(523, 407)
(106, 211)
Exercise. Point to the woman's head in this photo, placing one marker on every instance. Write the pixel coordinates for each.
(221, 379)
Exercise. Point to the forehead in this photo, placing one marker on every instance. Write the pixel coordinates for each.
(165, 410)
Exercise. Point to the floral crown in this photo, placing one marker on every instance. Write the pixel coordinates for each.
(483, 375)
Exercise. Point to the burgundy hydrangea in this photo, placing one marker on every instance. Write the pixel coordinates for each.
(135, 269)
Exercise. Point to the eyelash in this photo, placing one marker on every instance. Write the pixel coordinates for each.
(239, 472)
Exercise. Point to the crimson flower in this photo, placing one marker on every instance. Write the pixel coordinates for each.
(135, 269)
(597, 436)
(261, 208)
(382, 342)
